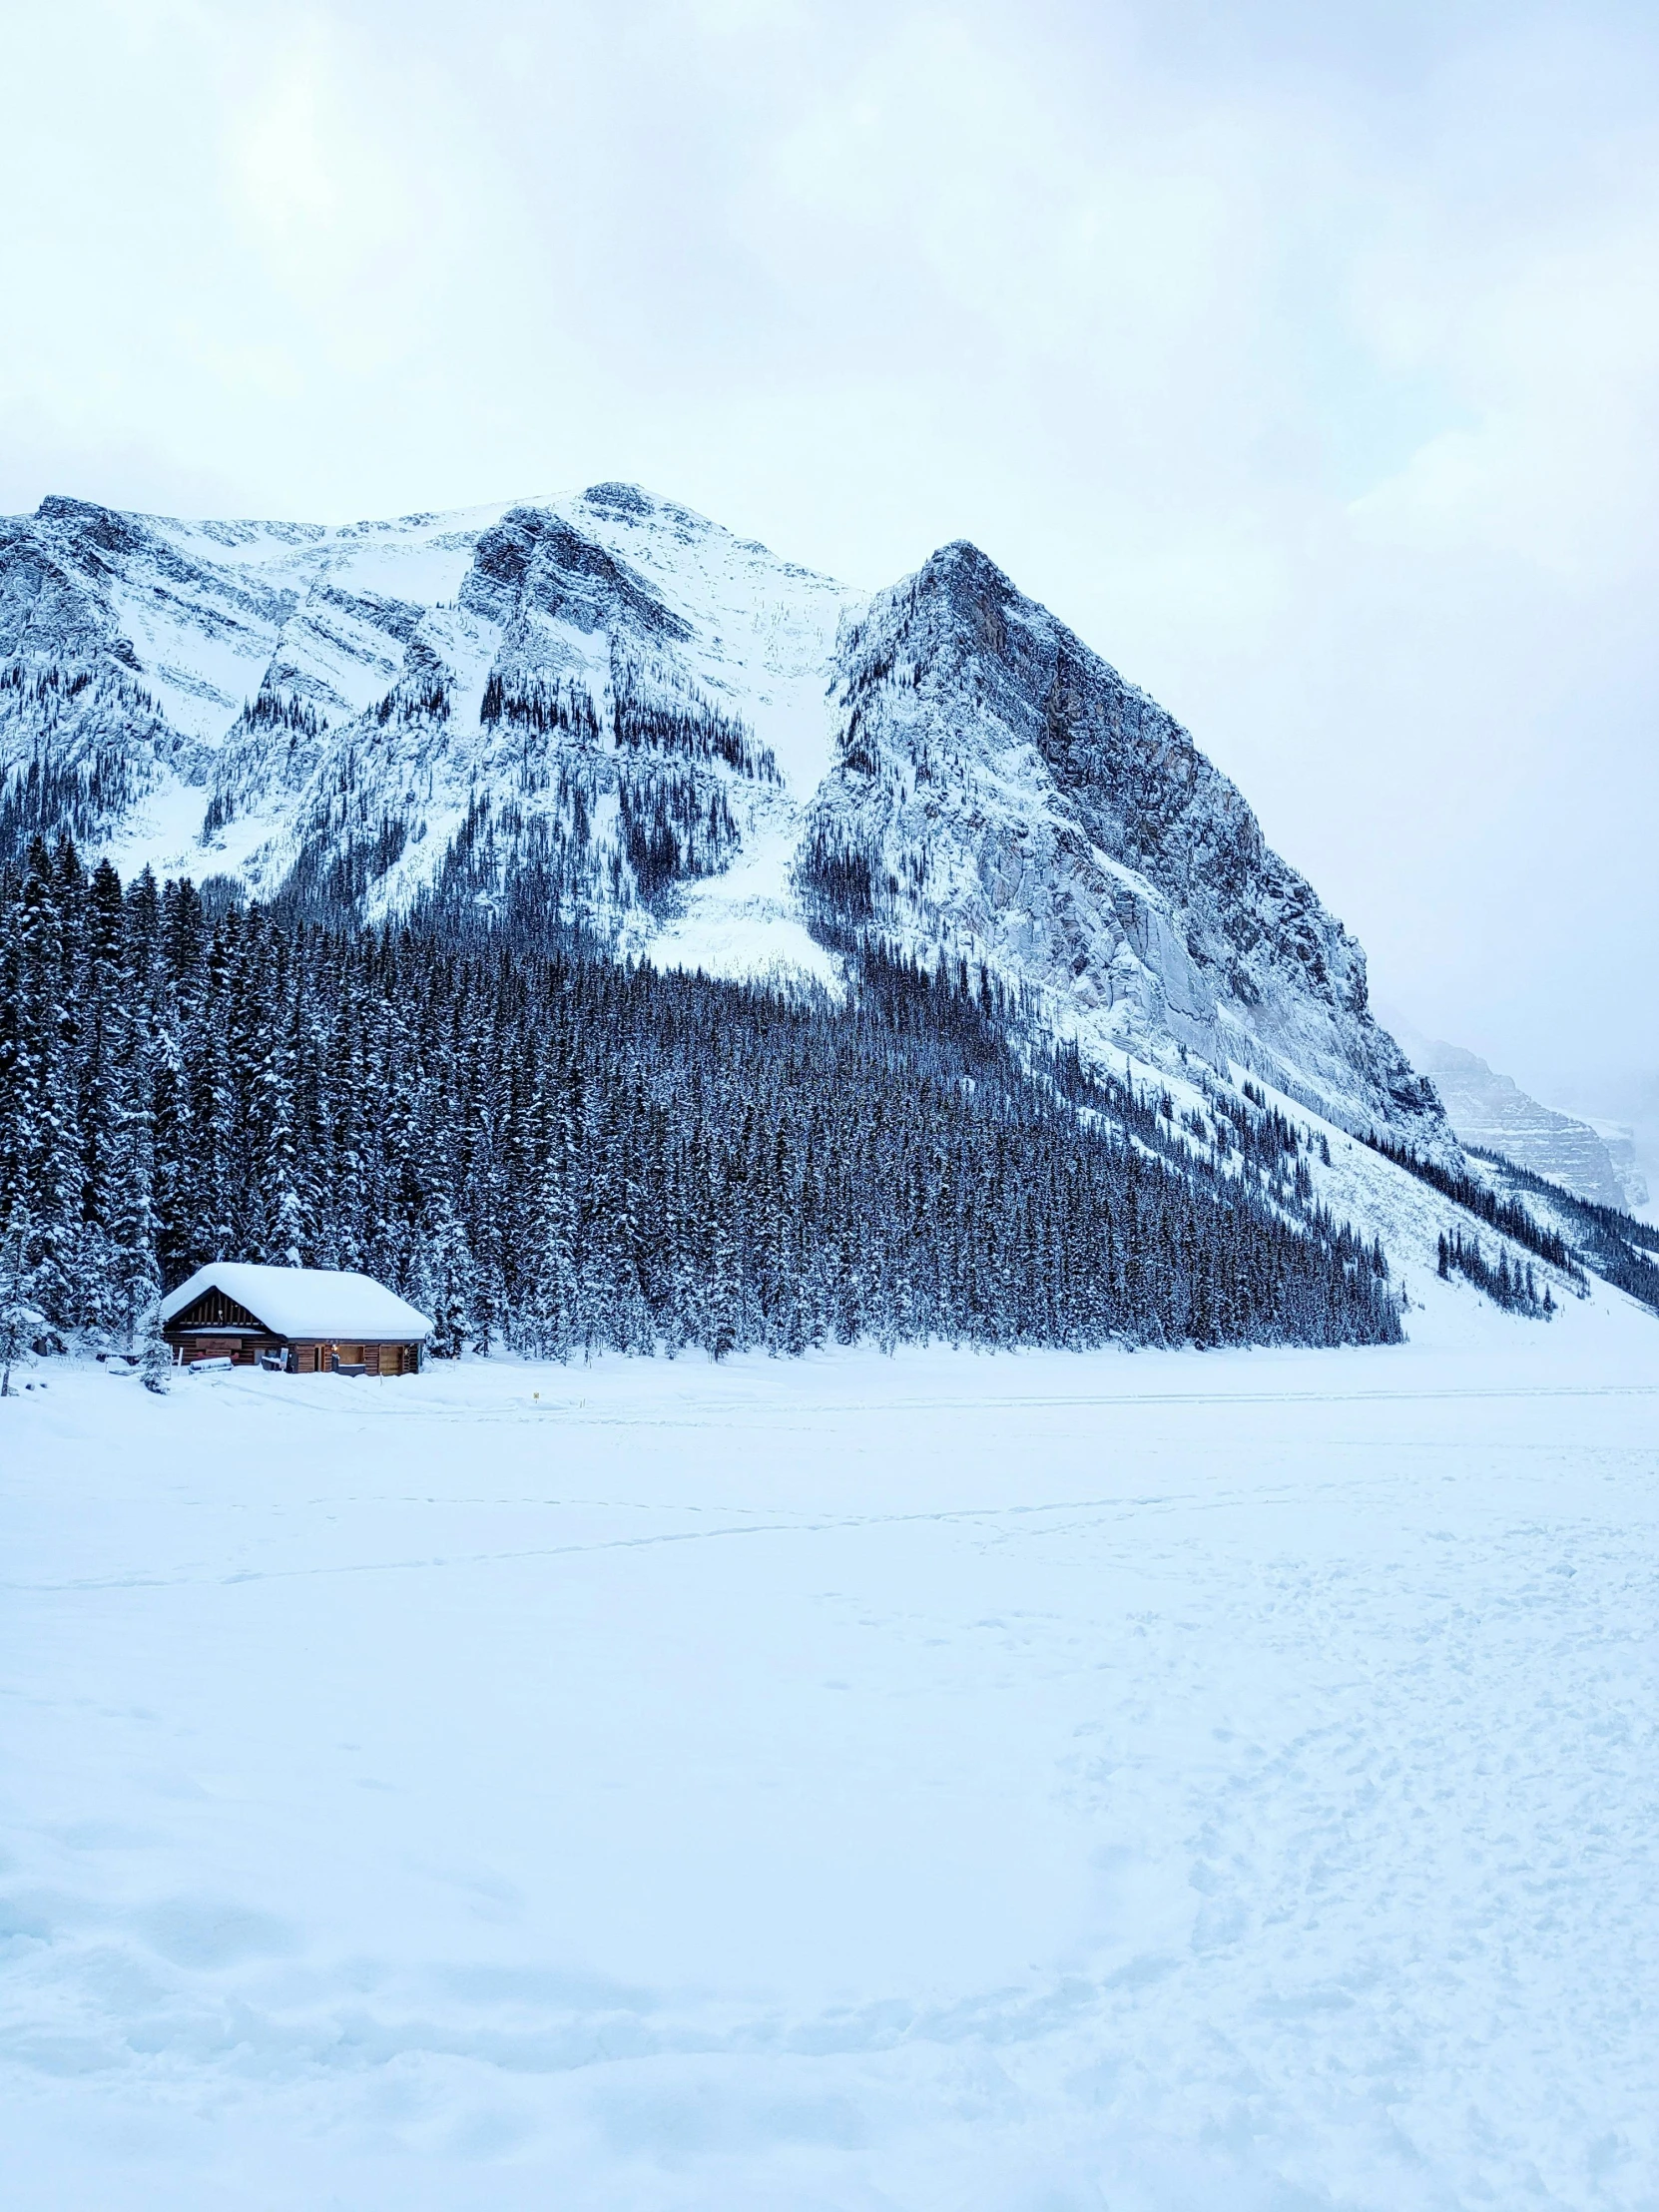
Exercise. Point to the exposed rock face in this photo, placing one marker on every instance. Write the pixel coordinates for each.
(1493, 1112)
(616, 711)
(1624, 1151)
(591, 699)
(1001, 790)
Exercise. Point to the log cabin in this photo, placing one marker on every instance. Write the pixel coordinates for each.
(308, 1321)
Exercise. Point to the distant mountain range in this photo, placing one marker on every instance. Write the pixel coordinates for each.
(611, 711)
(1595, 1160)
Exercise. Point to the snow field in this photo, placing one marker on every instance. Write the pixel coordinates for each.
(949, 1781)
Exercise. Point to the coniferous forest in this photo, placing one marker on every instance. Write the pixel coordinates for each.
(554, 1153)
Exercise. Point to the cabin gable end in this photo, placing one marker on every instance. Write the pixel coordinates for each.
(213, 1309)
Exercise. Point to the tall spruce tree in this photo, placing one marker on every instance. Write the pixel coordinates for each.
(20, 1321)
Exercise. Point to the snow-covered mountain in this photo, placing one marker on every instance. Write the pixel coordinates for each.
(998, 787)
(613, 708)
(1486, 1108)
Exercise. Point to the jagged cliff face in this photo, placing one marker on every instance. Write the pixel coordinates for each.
(1000, 789)
(1491, 1111)
(596, 701)
(609, 710)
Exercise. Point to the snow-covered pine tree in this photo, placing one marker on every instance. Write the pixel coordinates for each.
(130, 1193)
(21, 1322)
(445, 1281)
(44, 1126)
(154, 1353)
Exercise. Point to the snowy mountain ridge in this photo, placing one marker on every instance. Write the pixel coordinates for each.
(998, 786)
(1487, 1109)
(614, 710)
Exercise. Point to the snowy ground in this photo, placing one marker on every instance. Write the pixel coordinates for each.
(1169, 1782)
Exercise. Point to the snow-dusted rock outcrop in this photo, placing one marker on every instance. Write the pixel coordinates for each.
(999, 789)
(596, 696)
(608, 708)
(1491, 1110)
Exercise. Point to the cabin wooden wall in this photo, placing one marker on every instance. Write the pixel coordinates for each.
(201, 1343)
(378, 1358)
(311, 1355)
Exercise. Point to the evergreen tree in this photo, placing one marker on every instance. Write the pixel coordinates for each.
(154, 1353)
(544, 1148)
(20, 1321)
(129, 1198)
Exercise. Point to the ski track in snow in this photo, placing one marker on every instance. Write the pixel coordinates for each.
(1091, 1782)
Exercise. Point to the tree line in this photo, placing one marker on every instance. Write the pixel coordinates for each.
(553, 1151)
(1507, 1215)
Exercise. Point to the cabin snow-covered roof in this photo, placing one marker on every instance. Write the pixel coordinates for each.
(305, 1302)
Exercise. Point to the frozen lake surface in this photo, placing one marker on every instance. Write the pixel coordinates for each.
(998, 1785)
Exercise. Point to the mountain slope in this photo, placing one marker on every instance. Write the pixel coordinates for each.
(1001, 790)
(607, 711)
(1493, 1113)
(611, 699)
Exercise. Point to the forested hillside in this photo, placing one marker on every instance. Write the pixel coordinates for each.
(606, 710)
(556, 1153)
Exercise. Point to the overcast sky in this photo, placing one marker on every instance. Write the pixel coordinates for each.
(1304, 358)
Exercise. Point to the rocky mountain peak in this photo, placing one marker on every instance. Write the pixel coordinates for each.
(611, 705)
(1001, 789)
